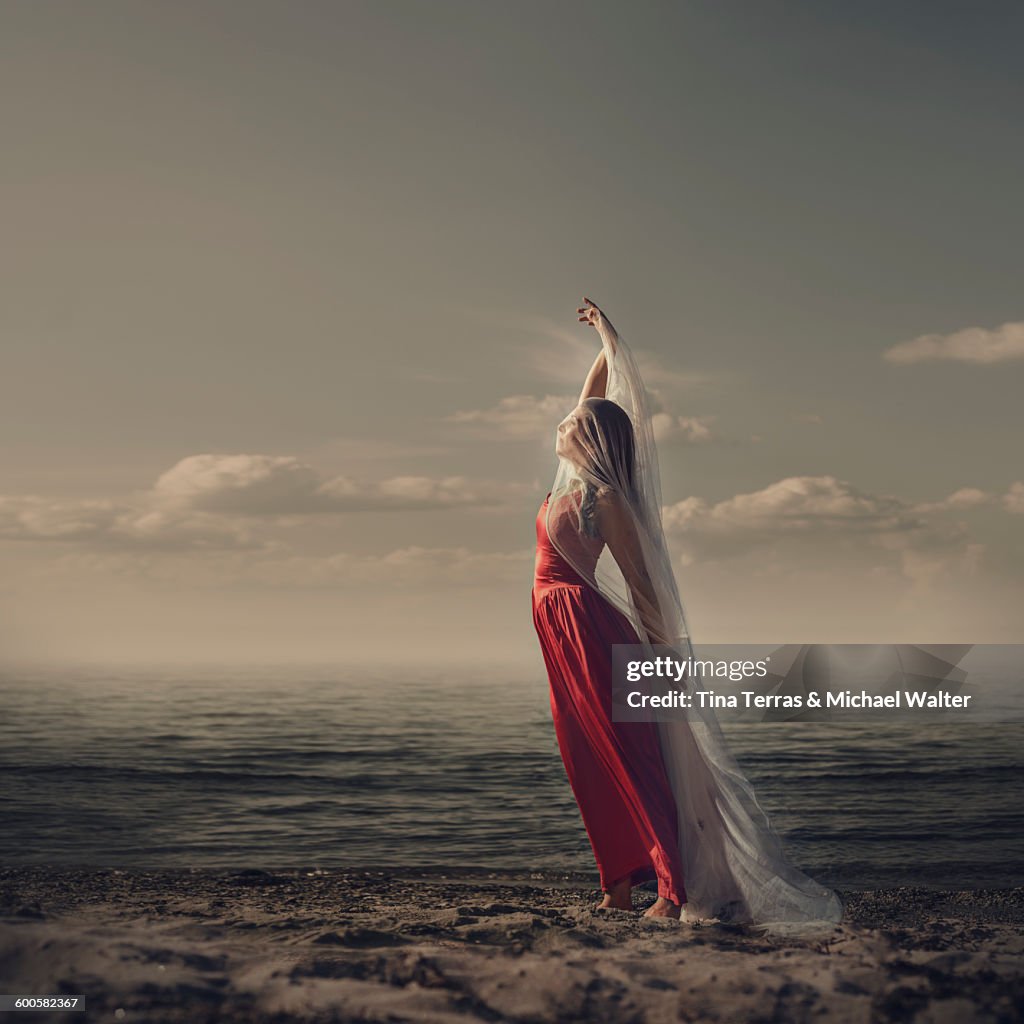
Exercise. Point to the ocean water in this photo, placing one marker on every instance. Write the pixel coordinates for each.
(330, 767)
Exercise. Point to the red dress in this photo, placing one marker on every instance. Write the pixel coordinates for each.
(615, 768)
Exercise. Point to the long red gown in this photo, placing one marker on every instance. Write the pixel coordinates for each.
(615, 769)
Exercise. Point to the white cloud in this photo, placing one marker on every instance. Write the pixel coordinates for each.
(565, 354)
(823, 523)
(518, 417)
(421, 492)
(250, 484)
(970, 345)
(1013, 500)
(793, 505)
(107, 523)
(215, 502)
(261, 485)
(972, 497)
(691, 429)
(159, 529)
(26, 517)
(965, 497)
(524, 417)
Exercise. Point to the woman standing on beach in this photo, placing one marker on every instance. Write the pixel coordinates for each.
(660, 800)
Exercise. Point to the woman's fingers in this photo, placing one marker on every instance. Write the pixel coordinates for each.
(590, 313)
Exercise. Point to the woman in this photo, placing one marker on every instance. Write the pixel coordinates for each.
(663, 800)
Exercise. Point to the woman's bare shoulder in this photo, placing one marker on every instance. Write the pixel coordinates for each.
(612, 508)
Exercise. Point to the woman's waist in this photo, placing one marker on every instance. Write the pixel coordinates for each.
(542, 585)
(547, 577)
(551, 567)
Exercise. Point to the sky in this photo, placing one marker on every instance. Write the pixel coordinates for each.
(287, 314)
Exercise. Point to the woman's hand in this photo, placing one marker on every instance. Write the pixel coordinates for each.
(594, 315)
(596, 384)
(591, 313)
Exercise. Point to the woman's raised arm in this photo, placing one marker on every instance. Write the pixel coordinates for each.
(597, 380)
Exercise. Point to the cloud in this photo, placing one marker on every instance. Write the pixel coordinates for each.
(971, 497)
(965, 497)
(1013, 500)
(278, 485)
(158, 529)
(970, 345)
(419, 492)
(565, 354)
(813, 508)
(108, 523)
(26, 517)
(826, 525)
(250, 484)
(518, 417)
(524, 417)
(691, 429)
(808, 521)
(215, 502)
(794, 505)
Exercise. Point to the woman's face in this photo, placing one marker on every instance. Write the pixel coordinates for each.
(567, 443)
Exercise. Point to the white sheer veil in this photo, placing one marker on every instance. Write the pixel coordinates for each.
(734, 866)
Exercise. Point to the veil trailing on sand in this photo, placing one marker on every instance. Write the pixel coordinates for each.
(734, 866)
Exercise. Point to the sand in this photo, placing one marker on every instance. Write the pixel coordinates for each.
(256, 946)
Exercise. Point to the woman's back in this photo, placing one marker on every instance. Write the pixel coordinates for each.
(551, 568)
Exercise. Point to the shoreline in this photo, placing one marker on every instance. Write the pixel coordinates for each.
(471, 874)
(317, 945)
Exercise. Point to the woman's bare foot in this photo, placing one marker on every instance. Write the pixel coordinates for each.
(618, 897)
(663, 908)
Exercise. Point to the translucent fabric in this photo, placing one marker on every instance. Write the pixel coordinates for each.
(607, 489)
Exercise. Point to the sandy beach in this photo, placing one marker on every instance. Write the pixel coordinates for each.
(283, 946)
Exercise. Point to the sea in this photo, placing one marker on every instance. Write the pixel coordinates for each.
(454, 770)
